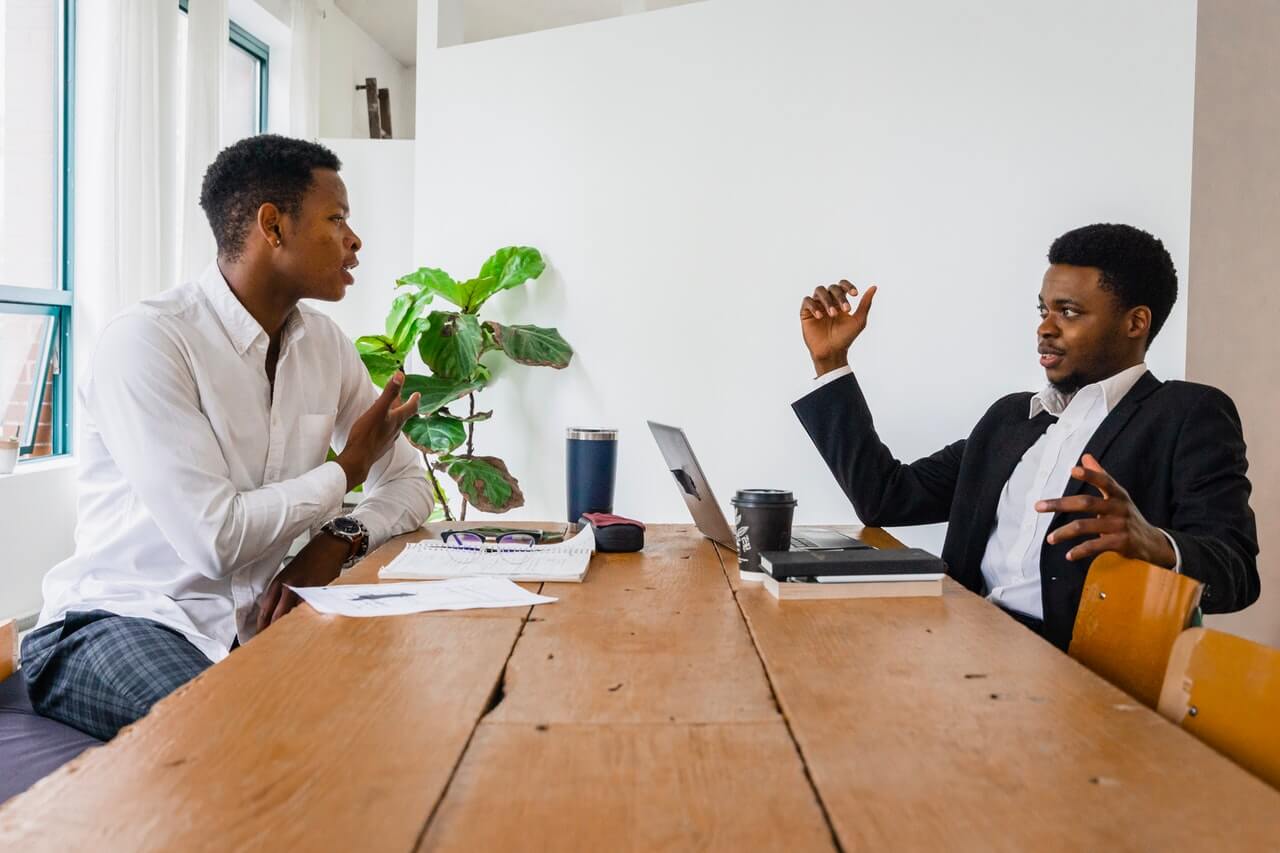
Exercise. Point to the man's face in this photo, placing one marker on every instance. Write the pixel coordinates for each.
(321, 245)
(1084, 334)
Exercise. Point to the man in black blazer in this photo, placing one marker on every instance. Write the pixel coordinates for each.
(1106, 458)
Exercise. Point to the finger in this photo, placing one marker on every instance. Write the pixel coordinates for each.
(1086, 527)
(837, 292)
(1077, 503)
(407, 410)
(267, 605)
(811, 309)
(1095, 474)
(848, 287)
(1094, 547)
(824, 298)
(390, 391)
(288, 598)
(864, 304)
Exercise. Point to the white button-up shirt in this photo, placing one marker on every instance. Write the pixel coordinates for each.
(1011, 562)
(194, 480)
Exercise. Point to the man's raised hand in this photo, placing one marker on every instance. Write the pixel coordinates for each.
(830, 323)
(375, 431)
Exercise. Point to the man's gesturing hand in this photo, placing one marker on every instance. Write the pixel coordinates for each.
(1117, 523)
(375, 431)
(831, 325)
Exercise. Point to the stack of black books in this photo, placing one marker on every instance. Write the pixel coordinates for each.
(852, 573)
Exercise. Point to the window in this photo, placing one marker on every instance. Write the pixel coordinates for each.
(36, 39)
(244, 80)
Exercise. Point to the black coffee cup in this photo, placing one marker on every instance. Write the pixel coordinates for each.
(762, 522)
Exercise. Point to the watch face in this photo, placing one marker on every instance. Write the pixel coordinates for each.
(349, 526)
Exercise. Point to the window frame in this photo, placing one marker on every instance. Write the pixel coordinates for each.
(58, 301)
(259, 50)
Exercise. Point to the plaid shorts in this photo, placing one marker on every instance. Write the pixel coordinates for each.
(99, 672)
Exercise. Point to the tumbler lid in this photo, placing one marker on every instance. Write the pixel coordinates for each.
(588, 434)
(763, 497)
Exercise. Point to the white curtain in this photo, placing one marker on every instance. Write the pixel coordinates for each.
(207, 35)
(304, 69)
(126, 213)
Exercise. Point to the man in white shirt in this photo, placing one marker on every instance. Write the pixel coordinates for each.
(1105, 458)
(209, 411)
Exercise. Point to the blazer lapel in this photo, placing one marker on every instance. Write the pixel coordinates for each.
(1111, 427)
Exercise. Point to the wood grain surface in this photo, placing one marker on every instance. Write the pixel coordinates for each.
(729, 787)
(324, 733)
(941, 723)
(651, 707)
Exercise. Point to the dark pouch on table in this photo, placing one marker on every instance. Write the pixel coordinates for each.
(614, 534)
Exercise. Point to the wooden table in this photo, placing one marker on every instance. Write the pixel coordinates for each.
(658, 705)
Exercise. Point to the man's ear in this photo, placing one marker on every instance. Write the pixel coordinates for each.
(1139, 322)
(269, 224)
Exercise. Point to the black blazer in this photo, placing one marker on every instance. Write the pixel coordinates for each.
(1177, 447)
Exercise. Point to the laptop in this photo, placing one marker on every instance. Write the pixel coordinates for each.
(707, 514)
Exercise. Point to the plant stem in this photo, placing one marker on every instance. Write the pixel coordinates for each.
(439, 492)
(471, 443)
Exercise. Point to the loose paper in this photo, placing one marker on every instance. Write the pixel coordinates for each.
(396, 599)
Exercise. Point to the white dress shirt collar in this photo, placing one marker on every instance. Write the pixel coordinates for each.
(1113, 389)
(241, 327)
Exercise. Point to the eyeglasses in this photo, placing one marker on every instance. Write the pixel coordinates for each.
(466, 546)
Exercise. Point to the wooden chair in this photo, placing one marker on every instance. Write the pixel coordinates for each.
(1225, 690)
(8, 648)
(1131, 612)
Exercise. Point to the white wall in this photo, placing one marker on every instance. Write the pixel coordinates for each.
(38, 506)
(692, 173)
(347, 56)
(379, 178)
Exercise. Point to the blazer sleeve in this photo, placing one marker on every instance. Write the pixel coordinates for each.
(1211, 520)
(883, 490)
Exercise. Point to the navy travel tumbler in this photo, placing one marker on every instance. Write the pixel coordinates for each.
(591, 460)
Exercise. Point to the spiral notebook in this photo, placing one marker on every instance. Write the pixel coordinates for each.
(563, 562)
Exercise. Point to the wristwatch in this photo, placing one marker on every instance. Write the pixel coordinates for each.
(351, 530)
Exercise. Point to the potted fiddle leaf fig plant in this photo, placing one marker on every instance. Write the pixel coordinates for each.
(451, 343)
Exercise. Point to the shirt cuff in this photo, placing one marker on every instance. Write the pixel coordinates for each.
(831, 376)
(1177, 555)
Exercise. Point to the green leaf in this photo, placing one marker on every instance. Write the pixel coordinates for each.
(477, 290)
(450, 344)
(438, 392)
(436, 433)
(513, 266)
(379, 357)
(532, 345)
(432, 281)
(403, 321)
(485, 482)
(374, 343)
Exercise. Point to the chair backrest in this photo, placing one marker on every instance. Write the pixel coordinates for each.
(1131, 612)
(8, 648)
(1225, 690)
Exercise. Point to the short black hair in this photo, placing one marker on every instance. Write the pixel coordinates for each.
(252, 172)
(1135, 266)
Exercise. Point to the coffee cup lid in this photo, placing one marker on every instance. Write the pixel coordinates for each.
(763, 497)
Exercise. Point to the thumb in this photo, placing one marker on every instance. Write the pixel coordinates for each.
(864, 304)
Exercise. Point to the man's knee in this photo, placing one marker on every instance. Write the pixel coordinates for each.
(103, 673)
